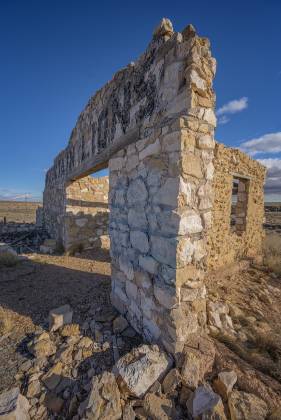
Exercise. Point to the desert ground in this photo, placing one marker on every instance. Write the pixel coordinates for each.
(18, 211)
(249, 343)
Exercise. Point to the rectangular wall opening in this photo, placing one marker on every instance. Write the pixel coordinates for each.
(87, 213)
(239, 204)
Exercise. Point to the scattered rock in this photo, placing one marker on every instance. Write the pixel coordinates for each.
(224, 383)
(246, 406)
(158, 408)
(53, 403)
(42, 346)
(139, 369)
(59, 317)
(13, 405)
(171, 381)
(196, 359)
(53, 377)
(119, 324)
(7, 249)
(206, 403)
(103, 401)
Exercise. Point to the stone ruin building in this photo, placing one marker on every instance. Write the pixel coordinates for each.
(167, 202)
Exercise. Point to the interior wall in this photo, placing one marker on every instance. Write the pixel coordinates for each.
(85, 221)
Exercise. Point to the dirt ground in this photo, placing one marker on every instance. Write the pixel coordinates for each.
(30, 290)
(16, 211)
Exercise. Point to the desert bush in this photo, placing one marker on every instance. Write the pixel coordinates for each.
(272, 252)
(8, 260)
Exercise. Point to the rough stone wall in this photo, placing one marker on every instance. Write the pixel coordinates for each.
(226, 245)
(160, 209)
(86, 218)
(54, 198)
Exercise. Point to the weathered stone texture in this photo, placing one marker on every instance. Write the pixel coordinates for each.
(169, 187)
(225, 245)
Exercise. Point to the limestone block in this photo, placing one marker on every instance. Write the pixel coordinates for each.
(143, 280)
(119, 324)
(172, 142)
(59, 317)
(189, 223)
(191, 165)
(205, 402)
(246, 406)
(224, 383)
(196, 360)
(185, 251)
(197, 82)
(139, 240)
(116, 164)
(126, 267)
(137, 193)
(150, 150)
(148, 264)
(119, 198)
(103, 401)
(164, 250)
(168, 193)
(206, 142)
(151, 330)
(159, 407)
(13, 405)
(166, 296)
(138, 370)
(132, 163)
(137, 218)
(189, 295)
(210, 117)
(131, 290)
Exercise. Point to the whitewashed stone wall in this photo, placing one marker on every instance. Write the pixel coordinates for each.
(155, 123)
(160, 211)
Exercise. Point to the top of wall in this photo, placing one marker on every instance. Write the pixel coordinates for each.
(140, 98)
(235, 162)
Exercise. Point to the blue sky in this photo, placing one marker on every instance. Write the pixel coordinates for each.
(56, 54)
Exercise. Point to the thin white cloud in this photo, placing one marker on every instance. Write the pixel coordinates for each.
(223, 120)
(273, 180)
(232, 107)
(12, 195)
(268, 143)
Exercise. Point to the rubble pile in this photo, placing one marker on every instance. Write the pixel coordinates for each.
(23, 237)
(88, 371)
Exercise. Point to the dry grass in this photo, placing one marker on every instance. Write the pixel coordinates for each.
(8, 260)
(6, 323)
(18, 211)
(272, 252)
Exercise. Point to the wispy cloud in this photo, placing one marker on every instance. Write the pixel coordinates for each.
(273, 181)
(268, 143)
(12, 195)
(232, 107)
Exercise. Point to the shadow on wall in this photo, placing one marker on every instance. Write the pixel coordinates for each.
(85, 230)
(83, 203)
